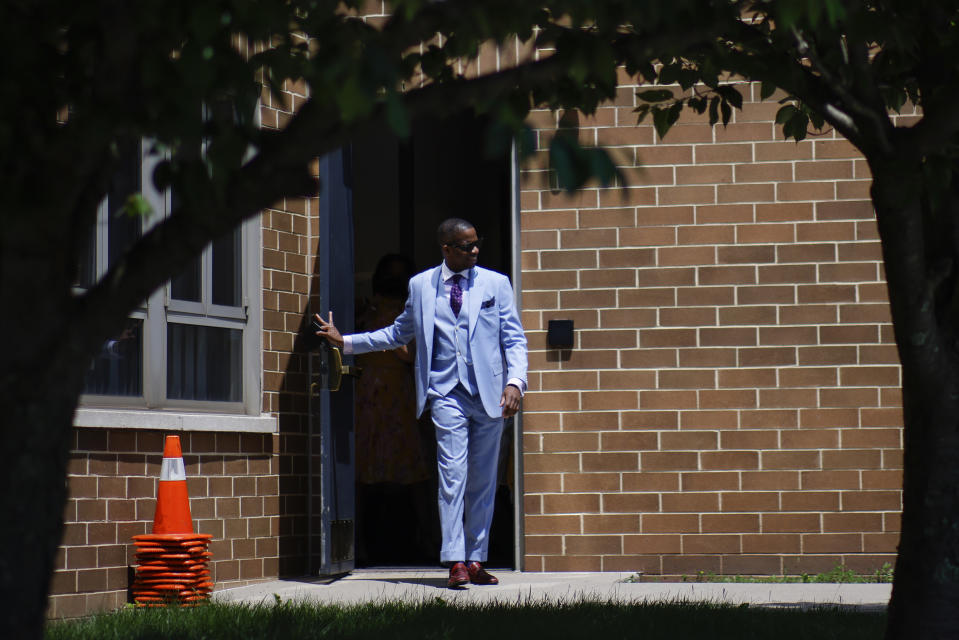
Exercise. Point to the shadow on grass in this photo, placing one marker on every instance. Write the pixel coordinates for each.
(439, 619)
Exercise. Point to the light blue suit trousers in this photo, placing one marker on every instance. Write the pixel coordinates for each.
(467, 448)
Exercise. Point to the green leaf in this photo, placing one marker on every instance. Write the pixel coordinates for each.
(655, 95)
(646, 70)
(674, 112)
(602, 166)
(497, 140)
(835, 11)
(136, 206)
(561, 161)
(664, 119)
(660, 121)
(526, 141)
(669, 73)
(714, 110)
(433, 62)
(895, 97)
(785, 113)
(396, 115)
(687, 78)
(354, 97)
(643, 111)
(766, 89)
(731, 95)
(795, 127)
(573, 166)
(709, 73)
(817, 119)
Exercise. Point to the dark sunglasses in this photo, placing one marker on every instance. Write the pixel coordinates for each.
(467, 247)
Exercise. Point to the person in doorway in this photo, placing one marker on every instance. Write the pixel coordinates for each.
(392, 467)
(467, 330)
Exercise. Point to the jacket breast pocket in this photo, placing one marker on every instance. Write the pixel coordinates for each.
(489, 318)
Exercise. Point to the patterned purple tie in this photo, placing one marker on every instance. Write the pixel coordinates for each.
(456, 295)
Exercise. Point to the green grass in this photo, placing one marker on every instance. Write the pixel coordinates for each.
(438, 619)
(839, 573)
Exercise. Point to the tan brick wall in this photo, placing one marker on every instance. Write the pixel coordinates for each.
(234, 488)
(289, 254)
(732, 401)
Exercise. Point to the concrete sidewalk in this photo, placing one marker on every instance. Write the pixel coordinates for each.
(417, 585)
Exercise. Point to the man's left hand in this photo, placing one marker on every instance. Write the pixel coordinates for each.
(510, 401)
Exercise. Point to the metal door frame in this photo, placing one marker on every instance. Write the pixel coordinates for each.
(333, 413)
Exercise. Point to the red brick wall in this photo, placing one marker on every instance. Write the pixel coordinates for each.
(732, 400)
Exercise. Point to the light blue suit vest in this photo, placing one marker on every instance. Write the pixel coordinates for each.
(452, 359)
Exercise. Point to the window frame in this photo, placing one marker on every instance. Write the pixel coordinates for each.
(160, 309)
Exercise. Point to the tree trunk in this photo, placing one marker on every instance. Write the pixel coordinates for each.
(922, 269)
(42, 368)
(925, 597)
(37, 424)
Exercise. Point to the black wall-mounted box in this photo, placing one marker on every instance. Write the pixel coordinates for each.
(559, 334)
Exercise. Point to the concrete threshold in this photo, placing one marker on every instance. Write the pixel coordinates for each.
(516, 587)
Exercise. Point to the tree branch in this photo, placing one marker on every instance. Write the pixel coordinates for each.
(771, 64)
(940, 120)
(866, 83)
(879, 121)
(278, 170)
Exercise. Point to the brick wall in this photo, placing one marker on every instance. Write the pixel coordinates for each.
(289, 254)
(233, 483)
(732, 401)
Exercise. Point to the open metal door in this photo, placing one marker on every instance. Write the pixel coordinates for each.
(333, 387)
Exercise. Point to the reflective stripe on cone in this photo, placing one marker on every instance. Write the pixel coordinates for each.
(173, 501)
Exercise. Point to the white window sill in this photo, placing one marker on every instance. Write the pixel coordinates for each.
(173, 421)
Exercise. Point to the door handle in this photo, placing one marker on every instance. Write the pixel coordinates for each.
(336, 370)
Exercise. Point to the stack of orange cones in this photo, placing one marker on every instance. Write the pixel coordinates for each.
(172, 562)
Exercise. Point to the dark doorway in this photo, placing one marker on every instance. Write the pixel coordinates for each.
(402, 190)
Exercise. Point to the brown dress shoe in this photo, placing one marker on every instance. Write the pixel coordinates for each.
(478, 574)
(458, 576)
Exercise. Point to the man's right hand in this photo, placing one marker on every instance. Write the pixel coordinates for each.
(328, 330)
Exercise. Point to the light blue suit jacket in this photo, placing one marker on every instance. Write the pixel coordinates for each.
(495, 334)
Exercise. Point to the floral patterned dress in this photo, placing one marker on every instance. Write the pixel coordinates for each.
(389, 447)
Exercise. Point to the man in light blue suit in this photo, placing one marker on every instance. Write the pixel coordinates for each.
(471, 372)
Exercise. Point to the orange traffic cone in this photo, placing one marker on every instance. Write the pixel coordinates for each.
(172, 569)
(173, 502)
(172, 562)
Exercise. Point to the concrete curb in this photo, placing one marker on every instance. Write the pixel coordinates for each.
(418, 585)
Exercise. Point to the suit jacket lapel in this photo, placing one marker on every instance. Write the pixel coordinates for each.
(476, 298)
(428, 304)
